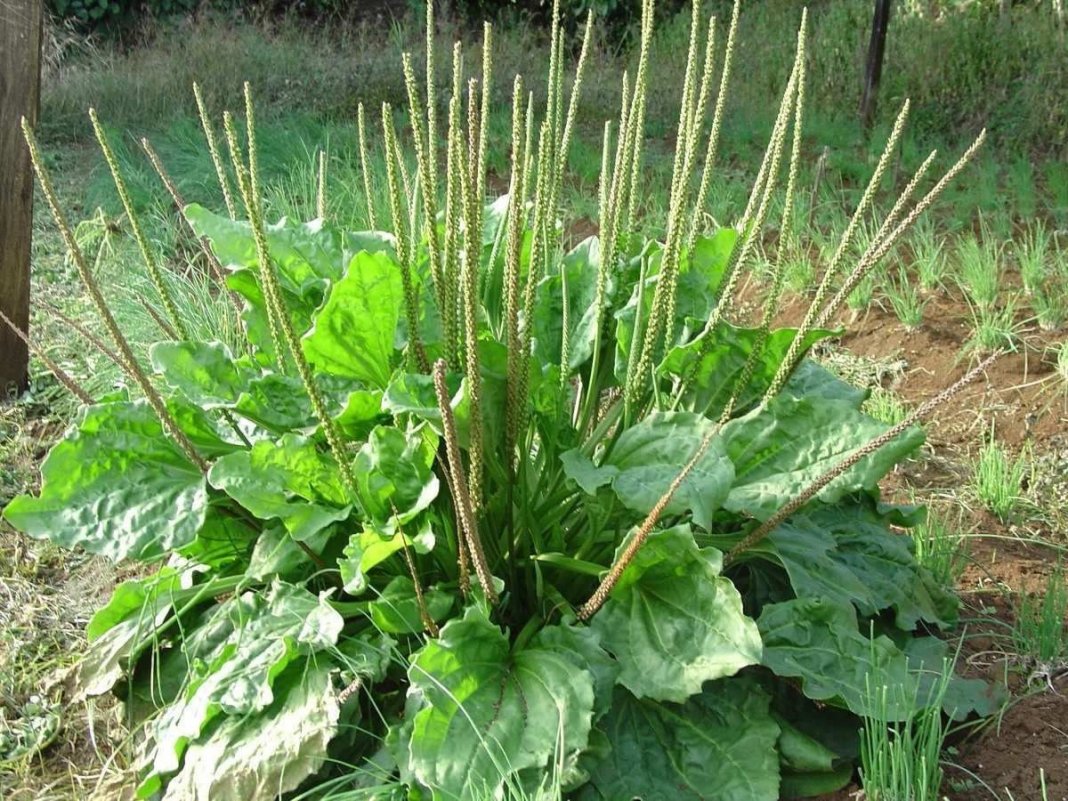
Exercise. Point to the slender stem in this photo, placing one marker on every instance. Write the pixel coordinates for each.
(64, 378)
(129, 361)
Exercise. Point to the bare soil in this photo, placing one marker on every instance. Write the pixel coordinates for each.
(1027, 404)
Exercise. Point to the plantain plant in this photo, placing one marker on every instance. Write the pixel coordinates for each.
(481, 510)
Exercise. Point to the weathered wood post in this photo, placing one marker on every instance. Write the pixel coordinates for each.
(20, 81)
(874, 69)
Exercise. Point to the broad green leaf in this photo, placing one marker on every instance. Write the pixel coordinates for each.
(846, 553)
(582, 645)
(353, 333)
(488, 712)
(700, 275)
(290, 480)
(371, 546)
(361, 412)
(818, 642)
(673, 622)
(133, 597)
(205, 372)
(801, 753)
(811, 380)
(640, 295)
(578, 275)
(396, 609)
(304, 254)
(277, 554)
(820, 783)
(718, 746)
(259, 756)
(781, 449)
(714, 374)
(963, 697)
(306, 259)
(280, 403)
(648, 457)
(394, 472)
(235, 678)
(277, 402)
(115, 486)
(210, 436)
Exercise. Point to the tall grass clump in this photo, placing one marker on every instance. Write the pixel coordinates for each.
(998, 479)
(940, 548)
(476, 510)
(901, 761)
(1039, 631)
(979, 270)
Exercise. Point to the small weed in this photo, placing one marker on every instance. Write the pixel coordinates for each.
(900, 759)
(799, 273)
(1050, 297)
(994, 328)
(998, 479)
(885, 406)
(929, 257)
(979, 271)
(1040, 631)
(1032, 251)
(940, 548)
(860, 298)
(905, 300)
(1061, 363)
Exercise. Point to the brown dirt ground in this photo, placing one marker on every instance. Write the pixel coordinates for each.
(1021, 395)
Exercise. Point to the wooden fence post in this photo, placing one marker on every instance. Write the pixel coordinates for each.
(20, 80)
(874, 69)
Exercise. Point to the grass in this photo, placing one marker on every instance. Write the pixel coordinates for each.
(979, 270)
(997, 480)
(900, 760)
(940, 548)
(905, 300)
(994, 327)
(929, 258)
(1032, 250)
(885, 406)
(1040, 631)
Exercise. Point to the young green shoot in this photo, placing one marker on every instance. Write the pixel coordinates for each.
(998, 479)
(1040, 632)
(900, 759)
(979, 271)
(906, 301)
(941, 548)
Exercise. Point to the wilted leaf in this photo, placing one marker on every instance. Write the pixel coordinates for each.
(235, 677)
(244, 758)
